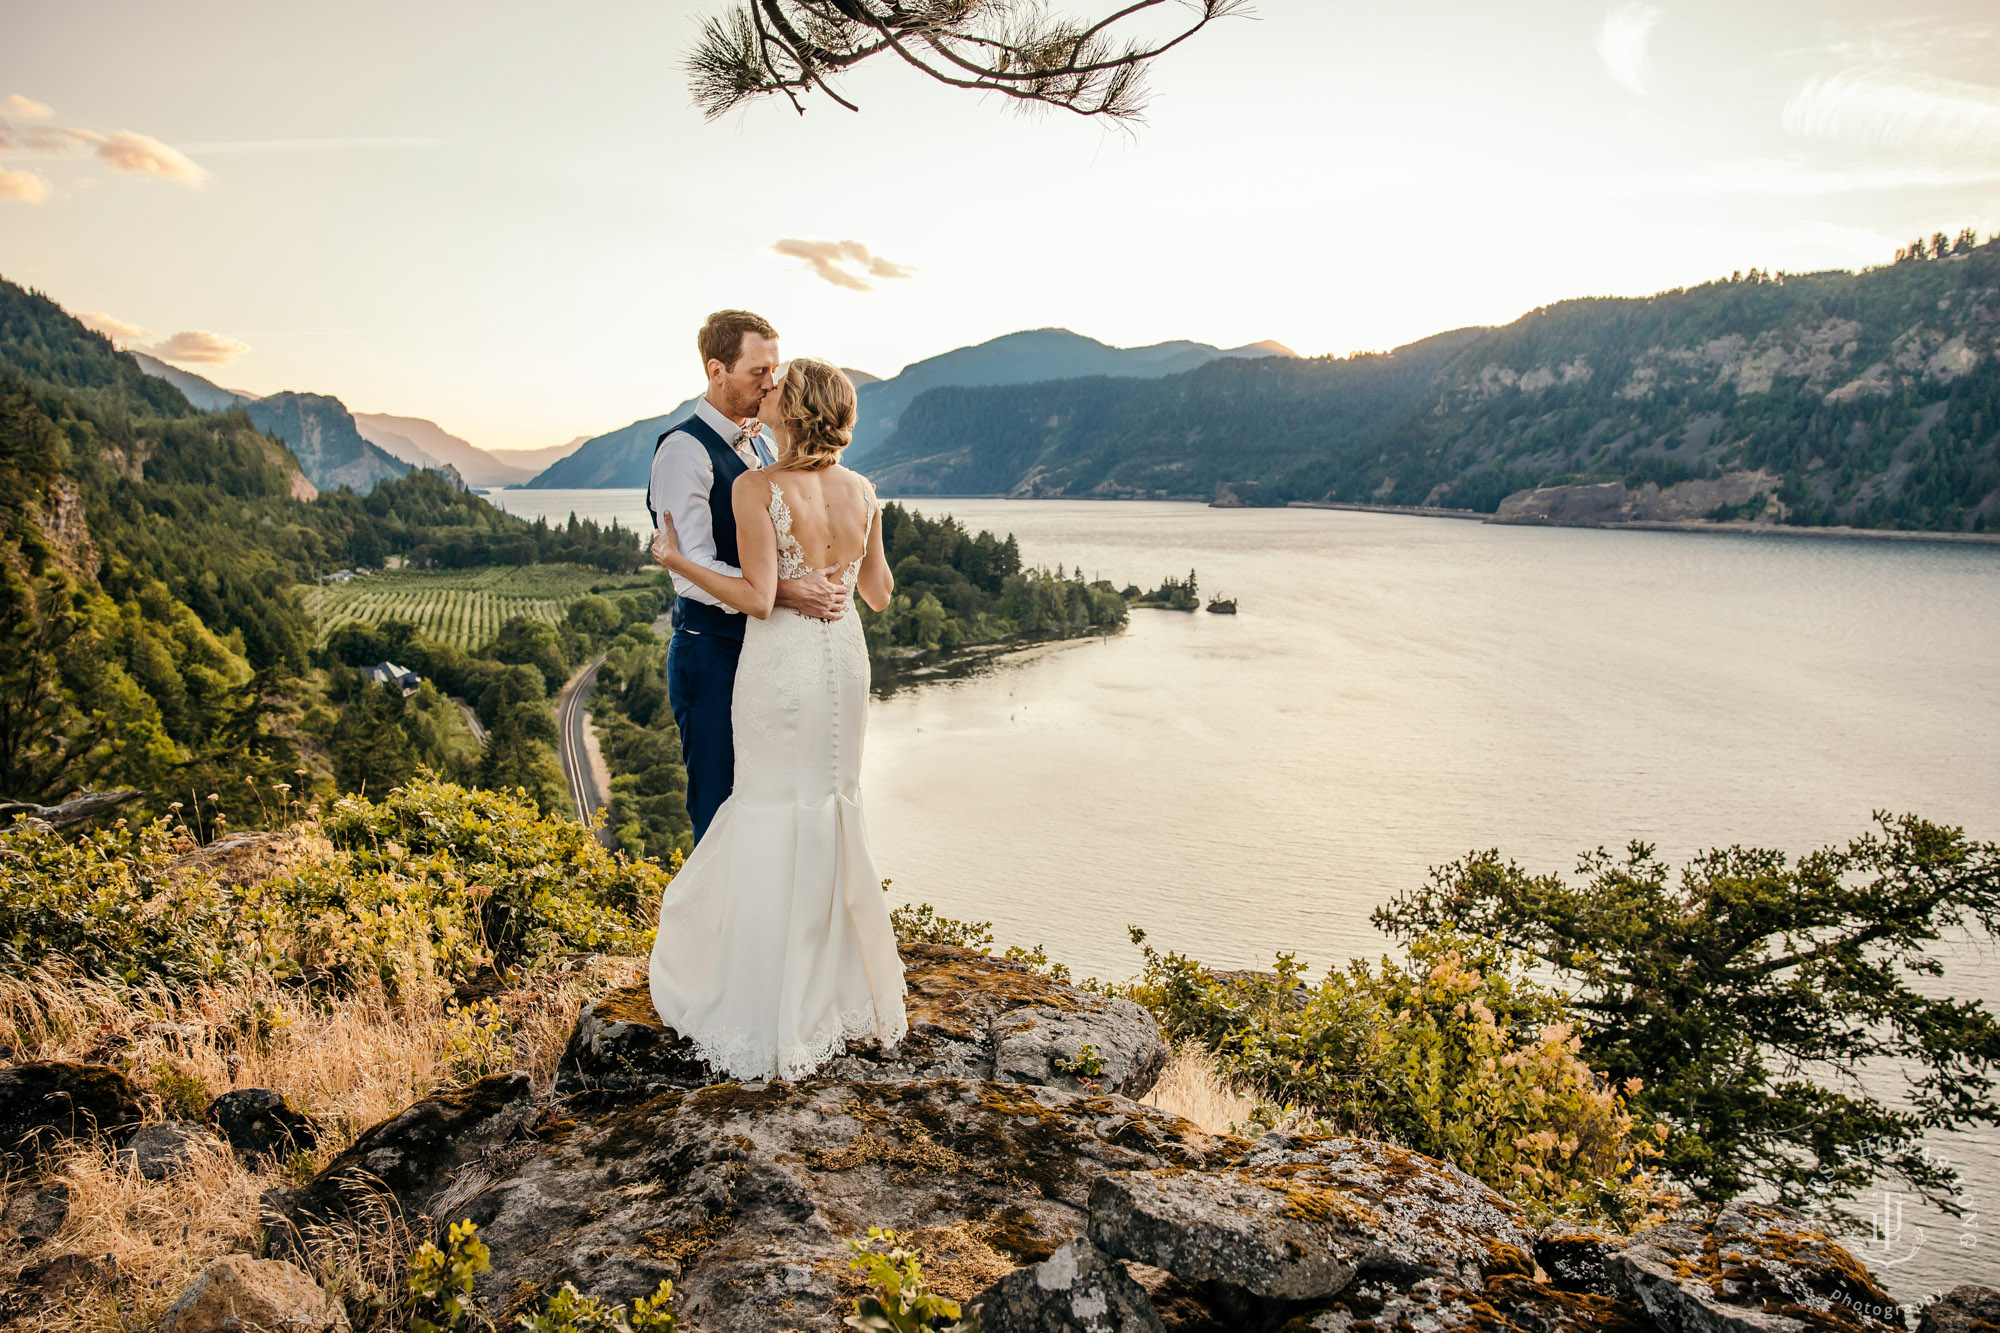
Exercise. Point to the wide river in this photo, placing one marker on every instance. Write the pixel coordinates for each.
(1397, 691)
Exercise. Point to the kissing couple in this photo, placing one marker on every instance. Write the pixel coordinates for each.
(774, 947)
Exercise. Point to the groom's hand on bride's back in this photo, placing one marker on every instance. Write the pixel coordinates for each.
(814, 594)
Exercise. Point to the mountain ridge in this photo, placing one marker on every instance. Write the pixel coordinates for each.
(1867, 399)
(437, 446)
(622, 458)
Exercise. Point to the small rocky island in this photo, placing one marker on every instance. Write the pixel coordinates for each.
(1006, 1142)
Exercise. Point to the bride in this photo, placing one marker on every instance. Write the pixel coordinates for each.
(774, 946)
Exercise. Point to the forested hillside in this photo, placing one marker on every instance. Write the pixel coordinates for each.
(151, 632)
(1870, 399)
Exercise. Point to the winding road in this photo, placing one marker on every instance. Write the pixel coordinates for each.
(573, 747)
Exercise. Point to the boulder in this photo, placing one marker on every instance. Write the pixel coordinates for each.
(1751, 1268)
(971, 1016)
(257, 1123)
(745, 1194)
(412, 1155)
(1578, 1259)
(33, 1215)
(44, 1103)
(1511, 1302)
(1299, 1217)
(1963, 1309)
(1075, 1290)
(1233, 1229)
(158, 1151)
(238, 1294)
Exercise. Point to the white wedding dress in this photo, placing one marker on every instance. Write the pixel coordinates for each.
(774, 947)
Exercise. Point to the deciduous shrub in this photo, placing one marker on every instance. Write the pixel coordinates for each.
(1455, 1053)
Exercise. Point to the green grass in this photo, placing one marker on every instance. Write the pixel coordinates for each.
(461, 607)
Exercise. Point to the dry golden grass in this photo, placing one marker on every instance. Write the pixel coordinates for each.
(349, 1062)
(1191, 1087)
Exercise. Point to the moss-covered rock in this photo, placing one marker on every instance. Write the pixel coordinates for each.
(744, 1194)
(971, 1016)
(1752, 1269)
(48, 1102)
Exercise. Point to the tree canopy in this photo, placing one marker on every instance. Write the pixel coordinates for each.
(1750, 993)
(793, 47)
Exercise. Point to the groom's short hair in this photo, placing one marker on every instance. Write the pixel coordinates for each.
(721, 337)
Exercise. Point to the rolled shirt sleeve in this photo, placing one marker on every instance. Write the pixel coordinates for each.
(681, 480)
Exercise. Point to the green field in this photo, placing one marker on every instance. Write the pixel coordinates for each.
(461, 607)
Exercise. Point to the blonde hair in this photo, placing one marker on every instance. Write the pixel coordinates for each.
(818, 405)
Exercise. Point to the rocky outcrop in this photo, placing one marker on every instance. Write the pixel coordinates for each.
(44, 1103)
(1963, 1309)
(1750, 1269)
(413, 1156)
(1075, 1290)
(971, 1016)
(1033, 1200)
(1299, 1218)
(1606, 504)
(238, 1294)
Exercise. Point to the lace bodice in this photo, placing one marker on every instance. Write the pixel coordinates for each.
(792, 556)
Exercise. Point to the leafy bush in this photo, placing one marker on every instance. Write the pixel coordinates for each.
(107, 901)
(1455, 1054)
(921, 924)
(1752, 991)
(440, 1282)
(568, 1311)
(900, 1299)
(541, 885)
(432, 882)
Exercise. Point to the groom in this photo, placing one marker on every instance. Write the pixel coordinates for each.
(694, 466)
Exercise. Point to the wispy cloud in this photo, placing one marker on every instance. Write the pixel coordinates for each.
(843, 263)
(1621, 43)
(22, 131)
(192, 347)
(112, 327)
(23, 186)
(1886, 107)
(142, 155)
(195, 348)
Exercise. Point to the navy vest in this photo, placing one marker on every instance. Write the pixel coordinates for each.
(689, 614)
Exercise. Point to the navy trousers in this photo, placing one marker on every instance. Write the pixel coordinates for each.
(701, 678)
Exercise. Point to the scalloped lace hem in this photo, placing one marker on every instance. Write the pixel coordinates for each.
(749, 1058)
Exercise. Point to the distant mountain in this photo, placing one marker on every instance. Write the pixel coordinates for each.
(1870, 399)
(204, 394)
(623, 457)
(424, 443)
(323, 435)
(533, 461)
(1026, 358)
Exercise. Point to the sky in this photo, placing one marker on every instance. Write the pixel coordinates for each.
(510, 218)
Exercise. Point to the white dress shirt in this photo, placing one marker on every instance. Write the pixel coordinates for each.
(681, 480)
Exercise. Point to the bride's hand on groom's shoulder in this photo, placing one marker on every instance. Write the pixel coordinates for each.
(666, 543)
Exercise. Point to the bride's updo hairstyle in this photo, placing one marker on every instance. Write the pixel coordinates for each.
(818, 406)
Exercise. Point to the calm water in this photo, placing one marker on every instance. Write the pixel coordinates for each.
(1399, 691)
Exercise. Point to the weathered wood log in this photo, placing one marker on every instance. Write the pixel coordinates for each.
(74, 811)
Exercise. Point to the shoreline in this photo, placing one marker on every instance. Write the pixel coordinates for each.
(1474, 515)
